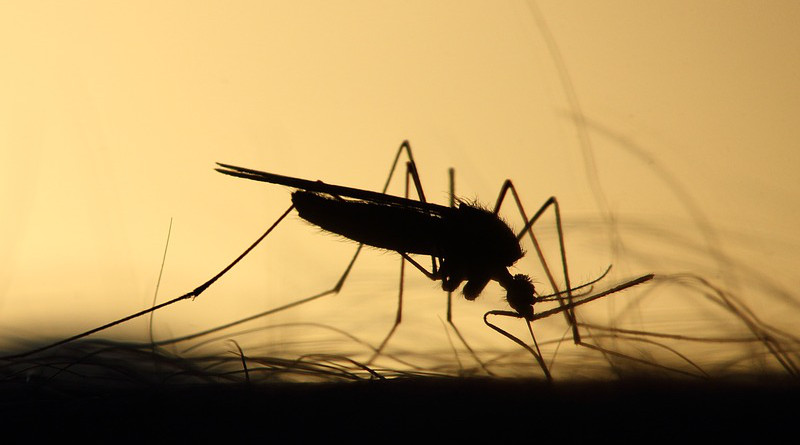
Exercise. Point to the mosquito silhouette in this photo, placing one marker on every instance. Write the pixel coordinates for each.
(467, 244)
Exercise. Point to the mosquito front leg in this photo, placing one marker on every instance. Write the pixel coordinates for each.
(528, 228)
(566, 307)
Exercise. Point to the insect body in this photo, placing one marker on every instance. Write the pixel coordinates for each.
(467, 244)
(471, 244)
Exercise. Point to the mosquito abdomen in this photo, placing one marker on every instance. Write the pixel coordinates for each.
(391, 227)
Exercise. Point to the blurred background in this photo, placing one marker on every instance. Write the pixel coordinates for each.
(666, 130)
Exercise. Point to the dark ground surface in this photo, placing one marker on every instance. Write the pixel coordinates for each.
(404, 409)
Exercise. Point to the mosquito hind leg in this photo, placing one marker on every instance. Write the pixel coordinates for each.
(411, 173)
(189, 295)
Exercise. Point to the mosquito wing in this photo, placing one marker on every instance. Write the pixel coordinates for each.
(330, 189)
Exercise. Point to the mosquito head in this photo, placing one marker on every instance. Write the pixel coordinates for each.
(520, 295)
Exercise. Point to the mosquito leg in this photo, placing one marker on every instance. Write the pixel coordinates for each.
(411, 171)
(256, 175)
(250, 174)
(193, 294)
(452, 181)
(566, 308)
(398, 316)
(606, 352)
(405, 146)
(451, 174)
(434, 275)
(411, 174)
(537, 354)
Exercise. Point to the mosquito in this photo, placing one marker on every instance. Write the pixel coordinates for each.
(467, 244)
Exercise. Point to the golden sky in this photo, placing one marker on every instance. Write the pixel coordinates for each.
(678, 118)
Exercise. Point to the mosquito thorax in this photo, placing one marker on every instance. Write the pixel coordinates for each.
(483, 238)
(520, 295)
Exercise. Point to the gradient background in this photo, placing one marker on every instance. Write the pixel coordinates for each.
(678, 124)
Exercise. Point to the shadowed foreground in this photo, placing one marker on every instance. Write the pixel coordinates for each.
(115, 397)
